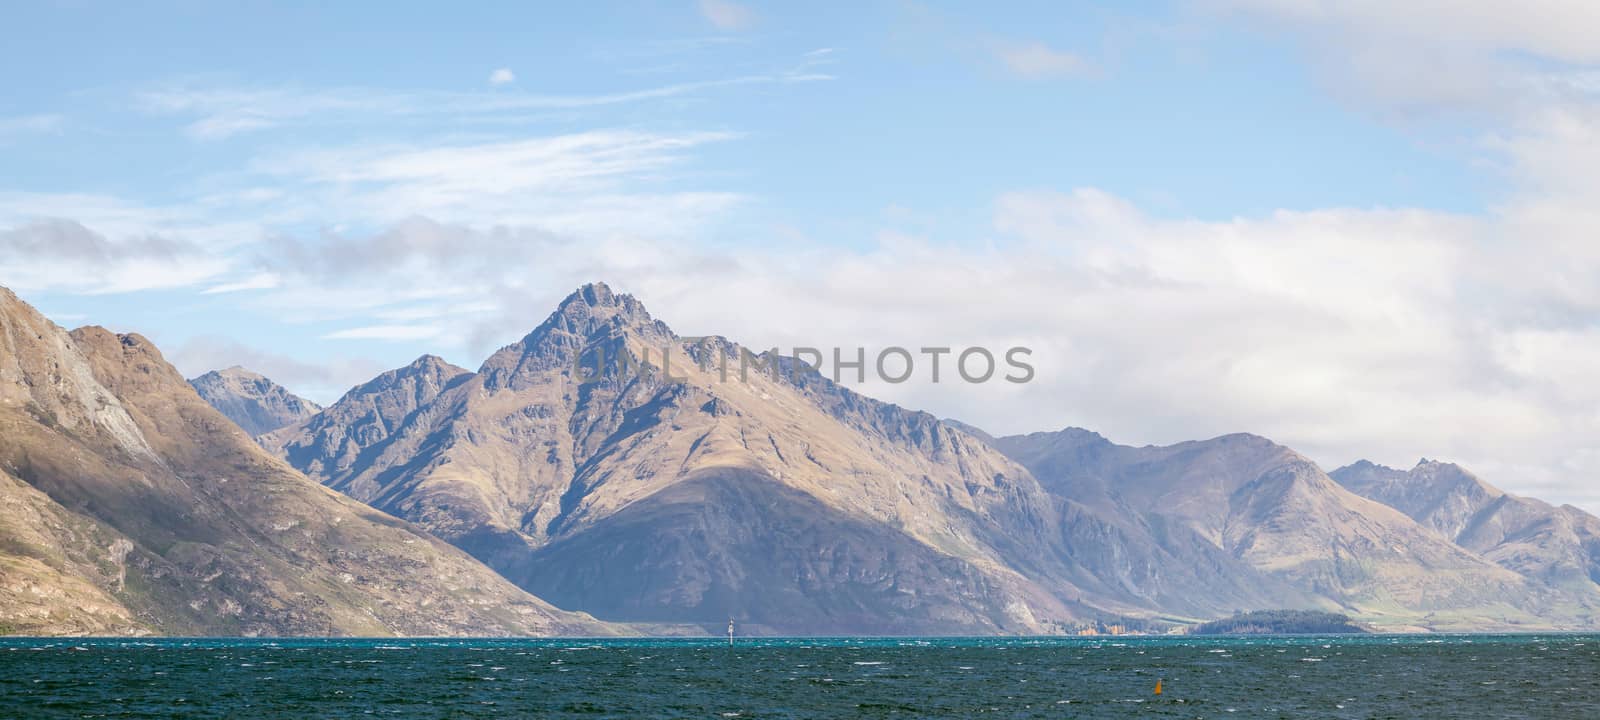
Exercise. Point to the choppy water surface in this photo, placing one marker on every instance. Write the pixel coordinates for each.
(1553, 676)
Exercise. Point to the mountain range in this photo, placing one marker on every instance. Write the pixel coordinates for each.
(607, 467)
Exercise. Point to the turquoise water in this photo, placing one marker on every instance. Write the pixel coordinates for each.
(1479, 676)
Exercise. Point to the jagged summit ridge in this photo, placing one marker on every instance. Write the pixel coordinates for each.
(594, 322)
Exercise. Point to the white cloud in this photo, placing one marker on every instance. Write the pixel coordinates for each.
(56, 254)
(1344, 333)
(726, 15)
(386, 332)
(258, 281)
(1423, 58)
(1038, 60)
(591, 183)
(502, 76)
(1559, 29)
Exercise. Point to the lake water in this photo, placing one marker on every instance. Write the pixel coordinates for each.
(1545, 676)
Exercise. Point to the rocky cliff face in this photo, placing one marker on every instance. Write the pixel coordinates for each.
(1244, 499)
(133, 506)
(1557, 546)
(337, 444)
(251, 401)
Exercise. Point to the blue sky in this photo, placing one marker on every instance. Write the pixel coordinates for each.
(1196, 116)
(1321, 222)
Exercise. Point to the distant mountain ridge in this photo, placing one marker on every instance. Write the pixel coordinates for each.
(1557, 546)
(1248, 500)
(252, 401)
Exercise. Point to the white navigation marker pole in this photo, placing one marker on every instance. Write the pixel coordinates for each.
(730, 632)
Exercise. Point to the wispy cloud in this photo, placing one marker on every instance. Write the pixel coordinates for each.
(502, 76)
(580, 184)
(386, 332)
(218, 112)
(30, 124)
(727, 15)
(258, 281)
(1037, 60)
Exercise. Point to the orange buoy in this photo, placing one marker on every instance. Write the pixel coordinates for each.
(1158, 685)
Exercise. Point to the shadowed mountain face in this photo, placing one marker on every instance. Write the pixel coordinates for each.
(251, 401)
(133, 506)
(1261, 505)
(733, 543)
(1559, 546)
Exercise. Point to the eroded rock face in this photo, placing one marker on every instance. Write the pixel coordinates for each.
(251, 401)
(139, 508)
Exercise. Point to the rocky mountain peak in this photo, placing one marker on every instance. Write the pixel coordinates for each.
(1365, 465)
(238, 371)
(1439, 473)
(593, 315)
(251, 400)
(428, 362)
(595, 306)
(591, 294)
(427, 367)
(1076, 436)
(331, 442)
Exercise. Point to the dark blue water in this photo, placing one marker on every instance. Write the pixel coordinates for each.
(1555, 676)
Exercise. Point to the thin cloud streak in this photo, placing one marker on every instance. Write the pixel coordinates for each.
(220, 113)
